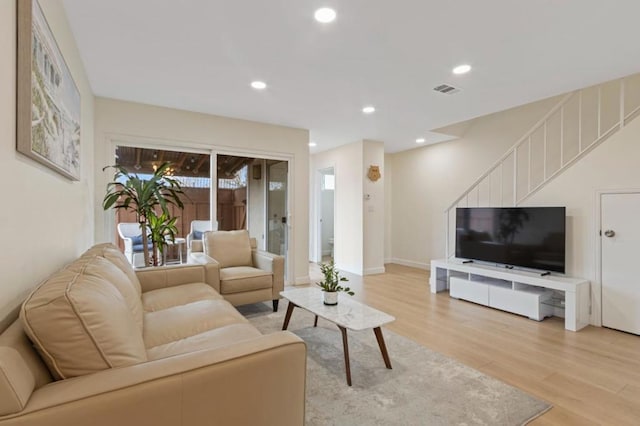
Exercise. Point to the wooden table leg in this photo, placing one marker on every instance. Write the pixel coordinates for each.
(315, 321)
(287, 317)
(383, 347)
(345, 345)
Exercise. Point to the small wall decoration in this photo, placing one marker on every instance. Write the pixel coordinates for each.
(374, 173)
(48, 106)
(257, 171)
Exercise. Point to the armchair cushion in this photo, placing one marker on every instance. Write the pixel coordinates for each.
(229, 248)
(138, 248)
(239, 279)
(197, 235)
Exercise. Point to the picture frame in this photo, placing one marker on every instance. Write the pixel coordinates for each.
(48, 100)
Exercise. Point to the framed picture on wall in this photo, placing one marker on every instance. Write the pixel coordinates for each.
(48, 104)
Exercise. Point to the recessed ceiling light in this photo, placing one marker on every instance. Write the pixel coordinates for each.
(462, 69)
(368, 110)
(259, 85)
(312, 144)
(420, 140)
(325, 15)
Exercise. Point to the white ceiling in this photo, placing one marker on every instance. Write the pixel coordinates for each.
(201, 55)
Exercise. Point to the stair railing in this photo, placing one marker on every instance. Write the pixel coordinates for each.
(573, 127)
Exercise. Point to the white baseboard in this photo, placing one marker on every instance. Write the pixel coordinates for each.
(373, 271)
(302, 280)
(413, 264)
(346, 269)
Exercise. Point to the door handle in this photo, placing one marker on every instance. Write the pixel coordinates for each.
(609, 233)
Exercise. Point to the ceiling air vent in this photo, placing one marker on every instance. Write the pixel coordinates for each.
(446, 89)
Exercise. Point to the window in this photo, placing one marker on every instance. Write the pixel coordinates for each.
(328, 182)
(238, 181)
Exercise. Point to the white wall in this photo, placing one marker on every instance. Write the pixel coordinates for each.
(612, 165)
(347, 162)
(46, 219)
(388, 207)
(374, 208)
(359, 227)
(426, 180)
(119, 121)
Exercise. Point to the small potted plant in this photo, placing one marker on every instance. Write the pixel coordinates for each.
(331, 283)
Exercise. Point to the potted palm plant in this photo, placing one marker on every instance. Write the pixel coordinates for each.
(162, 227)
(144, 196)
(331, 283)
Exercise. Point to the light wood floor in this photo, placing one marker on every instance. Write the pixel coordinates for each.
(591, 377)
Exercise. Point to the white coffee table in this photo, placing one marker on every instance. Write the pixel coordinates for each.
(347, 314)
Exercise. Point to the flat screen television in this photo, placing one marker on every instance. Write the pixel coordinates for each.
(526, 237)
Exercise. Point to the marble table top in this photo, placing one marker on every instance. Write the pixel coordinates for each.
(348, 313)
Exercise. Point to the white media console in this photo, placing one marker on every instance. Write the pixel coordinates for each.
(521, 292)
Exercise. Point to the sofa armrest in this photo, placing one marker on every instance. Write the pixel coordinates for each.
(259, 382)
(174, 275)
(212, 268)
(273, 263)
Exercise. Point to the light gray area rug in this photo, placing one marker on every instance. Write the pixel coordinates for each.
(423, 388)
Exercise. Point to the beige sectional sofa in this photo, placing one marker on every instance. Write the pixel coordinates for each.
(98, 343)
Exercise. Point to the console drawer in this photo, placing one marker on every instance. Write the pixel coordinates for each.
(472, 291)
(525, 302)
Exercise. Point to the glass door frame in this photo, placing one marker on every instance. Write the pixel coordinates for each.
(113, 141)
(289, 273)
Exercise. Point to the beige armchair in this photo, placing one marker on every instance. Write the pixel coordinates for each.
(246, 275)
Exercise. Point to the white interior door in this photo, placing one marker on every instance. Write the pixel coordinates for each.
(620, 241)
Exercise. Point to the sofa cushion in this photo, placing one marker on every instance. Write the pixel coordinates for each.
(180, 322)
(244, 278)
(216, 338)
(229, 248)
(16, 381)
(81, 324)
(163, 298)
(102, 268)
(115, 256)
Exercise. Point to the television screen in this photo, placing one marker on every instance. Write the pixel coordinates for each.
(527, 237)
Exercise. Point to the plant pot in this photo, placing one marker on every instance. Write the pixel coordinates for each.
(330, 297)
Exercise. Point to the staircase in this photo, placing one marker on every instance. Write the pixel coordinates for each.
(577, 124)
